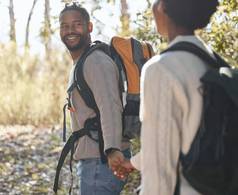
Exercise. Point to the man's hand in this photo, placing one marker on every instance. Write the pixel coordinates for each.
(123, 170)
(115, 158)
(120, 166)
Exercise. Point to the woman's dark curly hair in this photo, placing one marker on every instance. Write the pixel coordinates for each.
(191, 14)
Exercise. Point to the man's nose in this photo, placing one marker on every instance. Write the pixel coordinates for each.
(71, 29)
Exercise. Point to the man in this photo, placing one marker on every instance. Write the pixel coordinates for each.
(102, 77)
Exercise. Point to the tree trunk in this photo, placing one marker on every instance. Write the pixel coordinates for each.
(47, 30)
(12, 21)
(28, 25)
(125, 19)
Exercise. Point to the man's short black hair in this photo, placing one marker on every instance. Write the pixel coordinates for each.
(77, 7)
(191, 14)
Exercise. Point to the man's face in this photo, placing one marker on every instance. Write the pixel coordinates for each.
(74, 30)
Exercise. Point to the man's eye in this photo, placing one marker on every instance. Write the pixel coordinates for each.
(63, 27)
(79, 24)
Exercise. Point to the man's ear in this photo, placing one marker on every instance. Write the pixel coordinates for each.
(90, 27)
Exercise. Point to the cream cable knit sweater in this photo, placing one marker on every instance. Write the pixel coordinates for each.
(171, 108)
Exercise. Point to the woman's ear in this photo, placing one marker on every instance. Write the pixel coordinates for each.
(155, 8)
(160, 17)
(162, 4)
(90, 27)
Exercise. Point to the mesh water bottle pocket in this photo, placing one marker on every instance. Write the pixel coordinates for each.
(131, 120)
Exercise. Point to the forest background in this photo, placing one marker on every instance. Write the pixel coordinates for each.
(33, 82)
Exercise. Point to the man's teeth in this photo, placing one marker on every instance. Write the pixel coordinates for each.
(71, 37)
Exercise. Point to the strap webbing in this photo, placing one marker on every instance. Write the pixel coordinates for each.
(69, 107)
(194, 49)
(137, 52)
(64, 122)
(150, 49)
(69, 146)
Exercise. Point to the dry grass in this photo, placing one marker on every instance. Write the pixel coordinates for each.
(32, 90)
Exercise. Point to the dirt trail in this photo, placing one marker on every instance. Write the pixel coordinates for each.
(28, 157)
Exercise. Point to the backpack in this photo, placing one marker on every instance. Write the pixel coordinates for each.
(129, 55)
(211, 165)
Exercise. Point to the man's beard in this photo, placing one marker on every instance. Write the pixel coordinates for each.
(81, 43)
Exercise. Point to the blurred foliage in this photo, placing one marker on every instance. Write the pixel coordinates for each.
(32, 89)
(221, 33)
(146, 29)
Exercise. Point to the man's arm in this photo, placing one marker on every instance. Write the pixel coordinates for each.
(102, 76)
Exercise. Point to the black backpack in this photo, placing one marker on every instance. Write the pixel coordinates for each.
(211, 165)
(129, 55)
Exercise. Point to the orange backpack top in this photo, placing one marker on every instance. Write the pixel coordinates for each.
(133, 54)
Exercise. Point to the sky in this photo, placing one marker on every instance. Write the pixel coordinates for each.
(109, 17)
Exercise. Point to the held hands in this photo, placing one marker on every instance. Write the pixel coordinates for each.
(123, 170)
(115, 158)
(120, 166)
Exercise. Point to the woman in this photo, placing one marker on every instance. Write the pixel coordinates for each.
(171, 102)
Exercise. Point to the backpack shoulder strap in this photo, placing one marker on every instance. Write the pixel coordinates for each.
(150, 49)
(85, 91)
(79, 79)
(194, 49)
(137, 52)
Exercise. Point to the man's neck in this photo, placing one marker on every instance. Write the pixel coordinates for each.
(77, 54)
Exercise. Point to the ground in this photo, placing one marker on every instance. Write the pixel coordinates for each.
(28, 158)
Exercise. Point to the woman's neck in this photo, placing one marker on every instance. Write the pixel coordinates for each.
(175, 31)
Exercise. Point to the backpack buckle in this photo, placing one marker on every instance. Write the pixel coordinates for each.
(69, 105)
